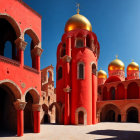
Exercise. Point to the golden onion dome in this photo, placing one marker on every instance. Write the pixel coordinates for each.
(133, 66)
(116, 64)
(78, 22)
(102, 74)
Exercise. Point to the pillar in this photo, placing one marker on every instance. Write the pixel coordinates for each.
(67, 89)
(20, 107)
(36, 111)
(36, 53)
(125, 92)
(94, 97)
(123, 117)
(20, 45)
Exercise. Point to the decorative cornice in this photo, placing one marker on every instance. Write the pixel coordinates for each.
(20, 44)
(19, 105)
(36, 107)
(67, 58)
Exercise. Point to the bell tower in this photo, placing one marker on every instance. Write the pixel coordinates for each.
(76, 70)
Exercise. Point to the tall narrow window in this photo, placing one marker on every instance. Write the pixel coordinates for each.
(80, 71)
(88, 41)
(93, 69)
(79, 43)
(59, 73)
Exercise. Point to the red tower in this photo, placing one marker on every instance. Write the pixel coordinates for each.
(76, 85)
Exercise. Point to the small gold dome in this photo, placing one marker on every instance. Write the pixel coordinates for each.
(133, 66)
(102, 74)
(78, 22)
(116, 64)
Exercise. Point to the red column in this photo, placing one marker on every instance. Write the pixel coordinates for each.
(19, 106)
(94, 98)
(67, 82)
(36, 121)
(20, 126)
(38, 63)
(36, 111)
(20, 45)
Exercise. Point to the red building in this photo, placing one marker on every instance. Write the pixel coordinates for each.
(76, 84)
(20, 85)
(119, 97)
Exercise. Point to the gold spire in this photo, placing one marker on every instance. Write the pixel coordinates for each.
(78, 8)
(116, 56)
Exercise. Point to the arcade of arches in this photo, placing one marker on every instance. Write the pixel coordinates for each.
(118, 112)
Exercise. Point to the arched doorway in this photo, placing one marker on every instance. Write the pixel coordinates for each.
(132, 115)
(109, 113)
(28, 114)
(110, 116)
(46, 118)
(8, 113)
(80, 117)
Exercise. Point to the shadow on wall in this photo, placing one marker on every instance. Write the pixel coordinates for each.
(117, 134)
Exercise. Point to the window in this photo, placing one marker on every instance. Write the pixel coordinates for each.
(80, 71)
(59, 73)
(88, 41)
(93, 69)
(79, 43)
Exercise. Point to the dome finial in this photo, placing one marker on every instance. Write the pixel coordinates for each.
(78, 8)
(132, 60)
(116, 56)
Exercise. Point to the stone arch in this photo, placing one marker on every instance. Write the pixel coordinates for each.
(13, 87)
(50, 77)
(12, 21)
(104, 110)
(58, 111)
(132, 91)
(35, 95)
(81, 109)
(33, 35)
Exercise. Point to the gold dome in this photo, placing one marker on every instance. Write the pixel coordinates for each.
(102, 74)
(116, 64)
(133, 66)
(78, 22)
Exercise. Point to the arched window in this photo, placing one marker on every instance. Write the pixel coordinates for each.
(27, 52)
(80, 71)
(59, 73)
(94, 71)
(79, 43)
(112, 93)
(7, 39)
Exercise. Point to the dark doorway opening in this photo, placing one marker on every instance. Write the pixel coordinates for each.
(28, 114)
(110, 116)
(8, 114)
(119, 118)
(132, 115)
(46, 118)
(81, 117)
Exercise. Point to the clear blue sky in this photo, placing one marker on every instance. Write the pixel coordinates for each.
(115, 22)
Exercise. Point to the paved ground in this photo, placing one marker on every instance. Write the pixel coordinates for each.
(101, 131)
